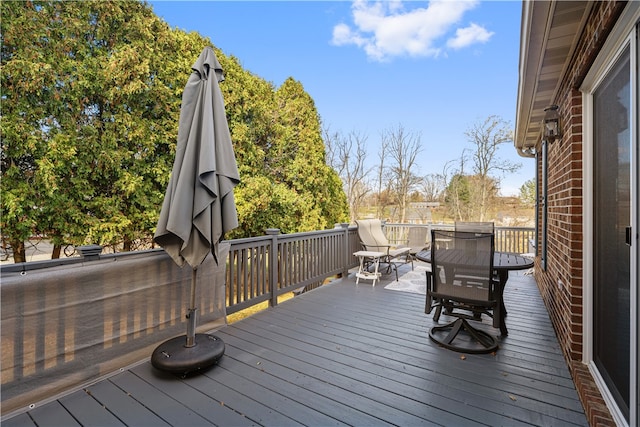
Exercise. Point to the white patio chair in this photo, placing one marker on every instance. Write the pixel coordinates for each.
(372, 238)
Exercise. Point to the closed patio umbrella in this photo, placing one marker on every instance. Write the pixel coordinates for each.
(199, 207)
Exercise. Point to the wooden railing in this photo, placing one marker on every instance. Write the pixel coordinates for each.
(507, 239)
(303, 260)
(43, 323)
(113, 309)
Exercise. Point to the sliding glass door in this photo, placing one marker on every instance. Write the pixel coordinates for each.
(613, 233)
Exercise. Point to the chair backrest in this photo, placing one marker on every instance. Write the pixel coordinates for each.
(462, 265)
(371, 235)
(475, 227)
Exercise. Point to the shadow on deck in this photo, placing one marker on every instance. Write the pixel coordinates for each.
(345, 355)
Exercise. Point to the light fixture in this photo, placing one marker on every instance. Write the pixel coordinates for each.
(551, 123)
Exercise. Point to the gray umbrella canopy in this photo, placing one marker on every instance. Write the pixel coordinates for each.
(199, 206)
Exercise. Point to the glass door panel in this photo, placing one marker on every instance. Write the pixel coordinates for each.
(612, 221)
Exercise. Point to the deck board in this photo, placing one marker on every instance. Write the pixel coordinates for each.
(51, 415)
(417, 399)
(213, 411)
(168, 409)
(348, 354)
(24, 420)
(348, 384)
(399, 370)
(88, 411)
(124, 406)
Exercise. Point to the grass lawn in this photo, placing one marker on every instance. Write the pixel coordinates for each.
(255, 309)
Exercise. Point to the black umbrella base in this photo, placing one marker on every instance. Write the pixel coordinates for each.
(174, 356)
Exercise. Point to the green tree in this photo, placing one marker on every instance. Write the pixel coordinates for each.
(528, 192)
(300, 151)
(267, 205)
(458, 197)
(249, 104)
(483, 204)
(88, 85)
(285, 180)
(91, 96)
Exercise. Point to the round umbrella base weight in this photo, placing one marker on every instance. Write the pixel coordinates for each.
(174, 356)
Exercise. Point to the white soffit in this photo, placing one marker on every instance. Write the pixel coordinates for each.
(550, 31)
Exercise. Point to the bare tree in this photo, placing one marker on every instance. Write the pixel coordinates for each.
(331, 141)
(403, 150)
(432, 187)
(487, 136)
(381, 180)
(347, 156)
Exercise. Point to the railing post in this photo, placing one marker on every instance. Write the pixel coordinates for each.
(90, 252)
(347, 255)
(273, 265)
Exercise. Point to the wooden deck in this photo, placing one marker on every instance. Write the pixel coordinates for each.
(344, 355)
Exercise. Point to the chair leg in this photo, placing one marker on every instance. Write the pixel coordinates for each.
(487, 343)
(500, 316)
(387, 261)
(428, 304)
(436, 315)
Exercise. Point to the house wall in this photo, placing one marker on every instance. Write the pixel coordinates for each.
(561, 283)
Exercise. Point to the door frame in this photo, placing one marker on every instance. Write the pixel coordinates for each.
(624, 34)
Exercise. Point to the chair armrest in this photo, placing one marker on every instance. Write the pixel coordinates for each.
(399, 242)
(387, 247)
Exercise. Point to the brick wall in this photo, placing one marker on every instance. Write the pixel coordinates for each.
(561, 283)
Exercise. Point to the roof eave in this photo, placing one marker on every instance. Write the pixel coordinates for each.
(549, 33)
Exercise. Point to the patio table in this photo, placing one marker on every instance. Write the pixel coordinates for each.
(503, 263)
(364, 257)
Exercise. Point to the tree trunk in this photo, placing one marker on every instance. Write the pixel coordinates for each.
(19, 253)
(56, 251)
(127, 245)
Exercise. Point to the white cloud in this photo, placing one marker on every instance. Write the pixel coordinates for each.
(342, 35)
(468, 36)
(385, 29)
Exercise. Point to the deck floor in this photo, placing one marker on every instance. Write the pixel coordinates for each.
(345, 355)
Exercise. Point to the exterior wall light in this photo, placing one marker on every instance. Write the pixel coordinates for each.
(551, 123)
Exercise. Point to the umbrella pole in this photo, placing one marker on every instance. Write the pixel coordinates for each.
(178, 357)
(191, 313)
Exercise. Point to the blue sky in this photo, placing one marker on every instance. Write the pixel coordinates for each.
(434, 68)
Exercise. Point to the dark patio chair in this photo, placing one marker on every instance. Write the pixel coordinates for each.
(476, 227)
(461, 282)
